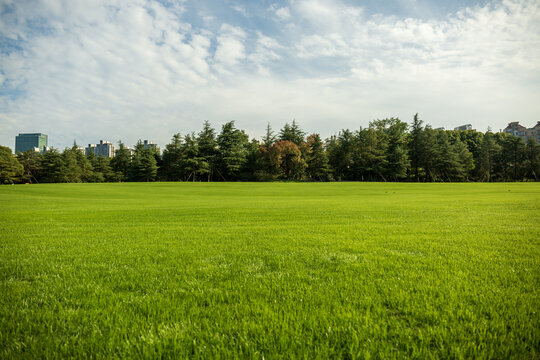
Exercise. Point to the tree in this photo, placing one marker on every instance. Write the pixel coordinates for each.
(269, 138)
(487, 154)
(369, 156)
(448, 166)
(31, 162)
(52, 165)
(233, 145)
(143, 166)
(416, 146)
(172, 158)
(532, 160)
(11, 171)
(394, 135)
(121, 163)
(286, 158)
(192, 163)
(208, 148)
(71, 170)
(510, 161)
(316, 159)
(340, 151)
(292, 133)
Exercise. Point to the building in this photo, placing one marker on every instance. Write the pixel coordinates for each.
(514, 128)
(464, 127)
(150, 145)
(32, 141)
(104, 148)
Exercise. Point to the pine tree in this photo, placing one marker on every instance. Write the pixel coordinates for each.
(292, 133)
(172, 169)
(11, 171)
(233, 145)
(416, 146)
(121, 163)
(270, 138)
(31, 160)
(316, 159)
(208, 148)
(487, 154)
(532, 160)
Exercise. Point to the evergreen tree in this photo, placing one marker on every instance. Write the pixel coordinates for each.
(532, 160)
(430, 155)
(340, 155)
(448, 166)
(369, 156)
(416, 146)
(192, 163)
(233, 144)
(510, 161)
(11, 171)
(143, 166)
(31, 162)
(172, 159)
(121, 163)
(52, 165)
(465, 157)
(316, 159)
(487, 155)
(292, 133)
(397, 161)
(71, 171)
(270, 138)
(208, 148)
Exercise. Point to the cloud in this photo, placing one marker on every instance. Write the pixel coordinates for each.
(230, 49)
(283, 13)
(116, 70)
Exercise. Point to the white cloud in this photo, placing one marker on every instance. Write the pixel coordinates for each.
(230, 47)
(283, 13)
(120, 70)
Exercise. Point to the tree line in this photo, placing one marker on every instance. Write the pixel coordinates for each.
(387, 150)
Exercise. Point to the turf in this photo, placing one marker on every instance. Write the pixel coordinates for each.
(277, 270)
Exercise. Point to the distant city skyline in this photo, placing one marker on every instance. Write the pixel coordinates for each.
(83, 71)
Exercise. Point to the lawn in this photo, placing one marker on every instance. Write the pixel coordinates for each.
(272, 270)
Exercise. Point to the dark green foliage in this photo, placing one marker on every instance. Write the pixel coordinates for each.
(488, 152)
(532, 160)
(510, 161)
(233, 147)
(192, 163)
(416, 147)
(316, 159)
(291, 133)
(143, 165)
(11, 171)
(52, 165)
(385, 151)
(31, 161)
(208, 149)
(269, 138)
(392, 132)
(121, 162)
(172, 158)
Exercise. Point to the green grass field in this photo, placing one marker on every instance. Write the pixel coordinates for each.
(275, 270)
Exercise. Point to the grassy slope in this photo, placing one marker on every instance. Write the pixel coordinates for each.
(327, 270)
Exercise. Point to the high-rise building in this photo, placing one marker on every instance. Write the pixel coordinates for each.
(150, 145)
(104, 148)
(514, 128)
(464, 127)
(31, 141)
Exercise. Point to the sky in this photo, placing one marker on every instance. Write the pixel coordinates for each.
(82, 70)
